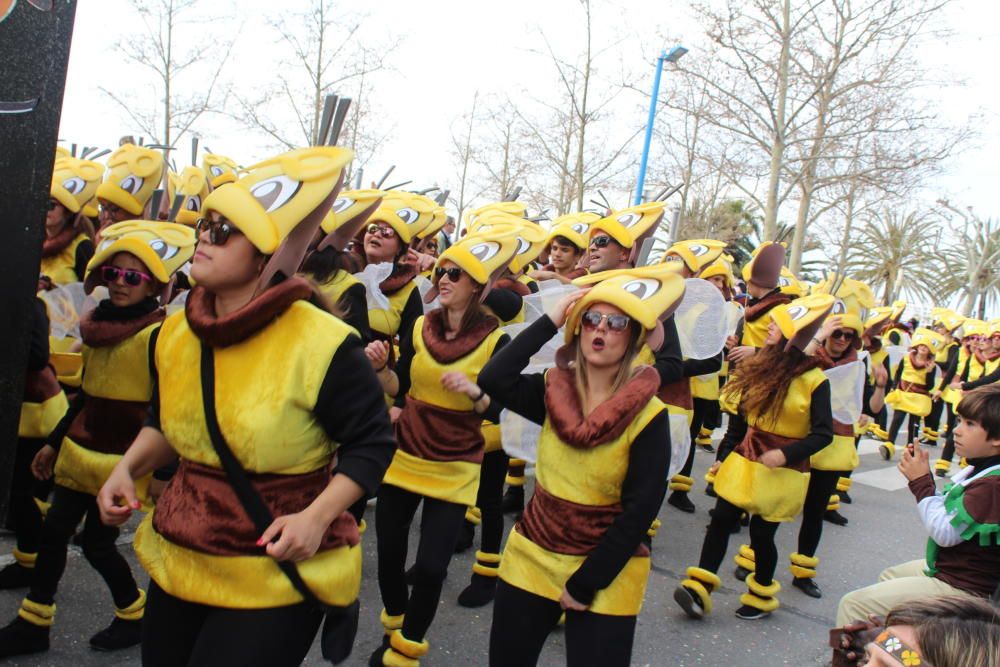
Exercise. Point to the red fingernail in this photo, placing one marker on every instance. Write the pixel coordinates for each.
(136, 505)
(260, 542)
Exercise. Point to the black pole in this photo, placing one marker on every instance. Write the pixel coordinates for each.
(34, 49)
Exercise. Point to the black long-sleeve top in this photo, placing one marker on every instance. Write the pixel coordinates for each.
(820, 428)
(644, 486)
(669, 361)
(983, 381)
(84, 253)
(355, 302)
(695, 367)
(38, 351)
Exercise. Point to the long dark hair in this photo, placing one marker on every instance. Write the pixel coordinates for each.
(762, 381)
(323, 264)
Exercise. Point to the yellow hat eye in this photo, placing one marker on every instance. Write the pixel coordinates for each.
(797, 312)
(104, 244)
(132, 183)
(579, 228)
(274, 192)
(193, 203)
(164, 250)
(74, 185)
(697, 249)
(216, 171)
(342, 204)
(484, 251)
(839, 308)
(522, 246)
(642, 288)
(407, 215)
(629, 219)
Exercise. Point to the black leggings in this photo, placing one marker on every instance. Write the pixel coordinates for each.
(489, 500)
(725, 517)
(822, 484)
(23, 514)
(948, 453)
(912, 426)
(440, 525)
(933, 420)
(702, 413)
(176, 632)
(68, 507)
(522, 621)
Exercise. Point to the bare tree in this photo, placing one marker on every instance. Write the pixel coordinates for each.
(170, 46)
(462, 151)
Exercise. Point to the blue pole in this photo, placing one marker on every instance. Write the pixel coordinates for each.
(649, 129)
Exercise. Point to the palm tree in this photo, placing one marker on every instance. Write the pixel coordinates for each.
(897, 253)
(973, 266)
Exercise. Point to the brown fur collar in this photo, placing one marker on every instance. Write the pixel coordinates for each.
(513, 285)
(609, 420)
(237, 327)
(826, 361)
(398, 279)
(104, 333)
(55, 245)
(765, 304)
(446, 351)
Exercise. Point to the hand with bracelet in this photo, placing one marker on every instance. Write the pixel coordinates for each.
(830, 325)
(461, 384)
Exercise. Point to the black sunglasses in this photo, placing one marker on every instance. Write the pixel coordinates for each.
(454, 274)
(218, 231)
(600, 241)
(616, 323)
(111, 274)
(838, 334)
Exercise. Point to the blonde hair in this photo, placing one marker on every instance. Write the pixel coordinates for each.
(952, 631)
(625, 370)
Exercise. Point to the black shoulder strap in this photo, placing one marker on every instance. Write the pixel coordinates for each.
(252, 503)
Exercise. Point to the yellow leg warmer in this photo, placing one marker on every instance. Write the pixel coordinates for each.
(931, 433)
(41, 615)
(390, 623)
(710, 477)
(704, 437)
(134, 611)
(844, 484)
(761, 597)
(745, 558)
(702, 583)
(362, 527)
(43, 506)
(515, 472)
(25, 559)
(833, 504)
(654, 527)
(803, 567)
(681, 483)
(942, 464)
(487, 564)
(473, 515)
(404, 653)
(892, 449)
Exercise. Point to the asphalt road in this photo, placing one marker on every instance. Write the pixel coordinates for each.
(883, 530)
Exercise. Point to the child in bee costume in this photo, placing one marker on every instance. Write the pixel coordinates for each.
(785, 400)
(945, 323)
(581, 543)
(135, 260)
(913, 382)
(69, 234)
(134, 172)
(440, 443)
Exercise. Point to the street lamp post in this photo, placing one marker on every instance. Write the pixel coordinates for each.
(671, 57)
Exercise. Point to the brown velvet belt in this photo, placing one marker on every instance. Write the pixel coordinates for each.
(840, 428)
(756, 443)
(912, 387)
(438, 434)
(565, 527)
(107, 425)
(199, 510)
(677, 394)
(40, 386)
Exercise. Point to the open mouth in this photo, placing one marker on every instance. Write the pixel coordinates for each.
(597, 344)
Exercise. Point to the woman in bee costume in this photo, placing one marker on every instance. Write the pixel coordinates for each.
(135, 260)
(914, 380)
(603, 455)
(279, 425)
(69, 235)
(785, 402)
(441, 409)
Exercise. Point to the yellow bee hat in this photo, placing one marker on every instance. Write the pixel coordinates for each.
(722, 266)
(75, 182)
(133, 173)
(877, 319)
(280, 203)
(974, 327)
(800, 319)
(648, 295)
(994, 328)
(482, 255)
(351, 210)
(897, 310)
(949, 319)
(62, 151)
(629, 227)
(192, 186)
(934, 341)
(764, 267)
(408, 213)
(696, 254)
(219, 169)
(163, 247)
(515, 208)
(857, 298)
(574, 227)
(435, 225)
(531, 238)
(789, 284)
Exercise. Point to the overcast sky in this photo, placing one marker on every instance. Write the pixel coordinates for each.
(450, 50)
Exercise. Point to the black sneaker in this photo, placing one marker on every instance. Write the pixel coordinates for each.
(15, 575)
(120, 634)
(479, 592)
(748, 613)
(23, 638)
(808, 586)
(844, 498)
(940, 472)
(689, 602)
(680, 500)
(835, 517)
(741, 573)
(707, 448)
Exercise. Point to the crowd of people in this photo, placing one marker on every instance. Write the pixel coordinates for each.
(266, 355)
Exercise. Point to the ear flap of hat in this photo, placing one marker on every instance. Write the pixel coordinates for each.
(801, 319)
(348, 215)
(765, 267)
(631, 226)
